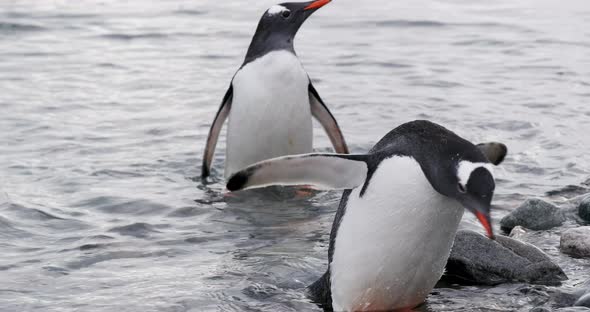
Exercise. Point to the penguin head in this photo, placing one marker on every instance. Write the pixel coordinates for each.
(285, 19)
(279, 25)
(474, 190)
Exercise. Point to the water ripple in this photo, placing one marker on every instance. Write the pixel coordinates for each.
(105, 107)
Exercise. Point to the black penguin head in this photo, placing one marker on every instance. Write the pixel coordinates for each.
(475, 189)
(279, 25)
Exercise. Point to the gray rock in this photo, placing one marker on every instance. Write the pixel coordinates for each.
(573, 309)
(534, 214)
(576, 242)
(584, 209)
(584, 301)
(477, 260)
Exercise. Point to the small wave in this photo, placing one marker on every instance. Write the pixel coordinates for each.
(9, 229)
(138, 230)
(186, 212)
(55, 270)
(216, 57)
(409, 23)
(110, 65)
(392, 65)
(31, 213)
(108, 256)
(116, 174)
(401, 23)
(120, 205)
(561, 42)
(191, 12)
(148, 36)
(17, 27)
(511, 125)
(129, 37)
(483, 42)
(71, 16)
(437, 84)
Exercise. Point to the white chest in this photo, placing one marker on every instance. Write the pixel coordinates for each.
(393, 243)
(270, 114)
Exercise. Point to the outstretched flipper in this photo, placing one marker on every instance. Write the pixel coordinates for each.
(494, 151)
(215, 130)
(324, 171)
(323, 115)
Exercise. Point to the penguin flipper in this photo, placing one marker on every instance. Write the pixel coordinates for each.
(494, 151)
(320, 111)
(323, 171)
(215, 130)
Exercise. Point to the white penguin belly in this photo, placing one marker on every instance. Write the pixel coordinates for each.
(393, 243)
(270, 114)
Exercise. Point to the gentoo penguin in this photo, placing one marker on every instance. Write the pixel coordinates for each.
(397, 220)
(271, 100)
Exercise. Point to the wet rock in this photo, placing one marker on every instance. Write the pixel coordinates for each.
(534, 214)
(576, 242)
(477, 260)
(584, 209)
(584, 301)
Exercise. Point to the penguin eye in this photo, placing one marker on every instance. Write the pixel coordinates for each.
(286, 14)
(461, 188)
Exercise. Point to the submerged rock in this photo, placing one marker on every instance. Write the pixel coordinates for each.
(582, 296)
(477, 260)
(576, 242)
(534, 214)
(584, 209)
(584, 301)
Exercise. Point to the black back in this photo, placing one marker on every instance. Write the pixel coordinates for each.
(434, 147)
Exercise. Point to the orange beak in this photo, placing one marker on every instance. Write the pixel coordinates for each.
(317, 4)
(486, 224)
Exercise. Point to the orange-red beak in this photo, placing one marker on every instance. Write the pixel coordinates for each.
(485, 221)
(317, 4)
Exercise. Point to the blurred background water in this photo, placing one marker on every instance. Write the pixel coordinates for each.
(105, 107)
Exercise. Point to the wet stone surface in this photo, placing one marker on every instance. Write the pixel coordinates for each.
(477, 260)
(576, 242)
(584, 209)
(535, 214)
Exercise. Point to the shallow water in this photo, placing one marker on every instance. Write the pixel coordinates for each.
(105, 106)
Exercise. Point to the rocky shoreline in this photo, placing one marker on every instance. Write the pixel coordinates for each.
(512, 258)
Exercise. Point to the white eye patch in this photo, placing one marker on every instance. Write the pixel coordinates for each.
(276, 9)
(465, 168)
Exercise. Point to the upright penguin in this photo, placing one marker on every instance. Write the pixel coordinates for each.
(396, 223)
(271, 100)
